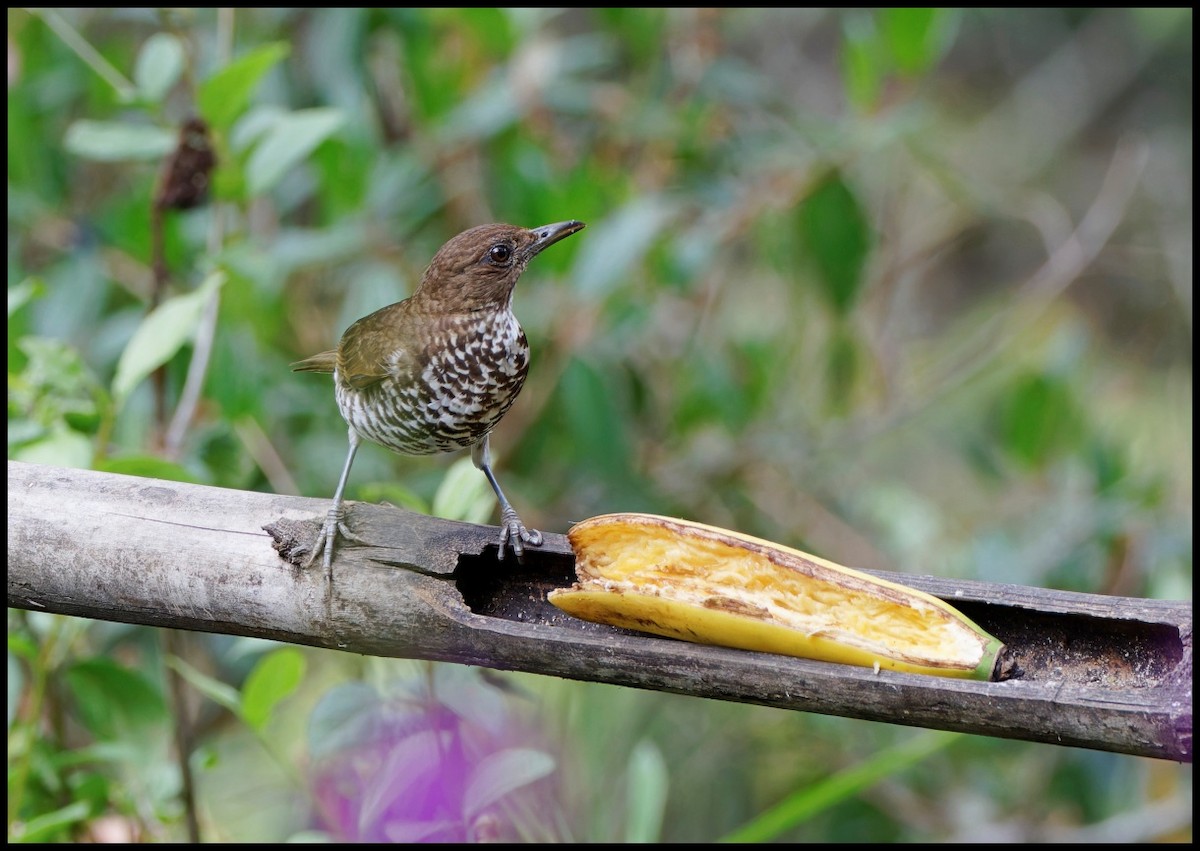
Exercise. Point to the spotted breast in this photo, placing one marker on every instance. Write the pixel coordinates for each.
(448, 392)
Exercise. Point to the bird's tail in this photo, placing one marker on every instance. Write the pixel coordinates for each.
(324, 362)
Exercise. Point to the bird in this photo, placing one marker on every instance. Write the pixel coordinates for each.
(437, 371)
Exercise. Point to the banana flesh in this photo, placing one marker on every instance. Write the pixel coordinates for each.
(699, 583)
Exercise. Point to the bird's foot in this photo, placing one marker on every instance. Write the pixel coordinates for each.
(335, 522)
(512, 529)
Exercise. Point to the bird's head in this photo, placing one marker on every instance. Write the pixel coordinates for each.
(479, 267)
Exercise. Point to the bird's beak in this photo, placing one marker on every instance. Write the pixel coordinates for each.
(547, 235)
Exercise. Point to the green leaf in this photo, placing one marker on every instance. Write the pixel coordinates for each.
(346, 717)
(53, 391)
(915, 38)
(116, 141)
(862, 67)
(253, 125)
(641, 31)
(491, 28)
(713, 390)
(124, 751)
(494, 107)
(464, 494)
(837, 235)
(393, 494)
(23, 647)
(113, 700)
(148, 467)
(62, 447)
(274, 678)
(842, 370)
(23, 293)
(596, 426)
(288, 142)
(614, 246)
(49, 826)
(1108, 463)
(482, 703)
(502, 773)
(92, 788)
(645, 793)
(309, 836)
(1039, 420)
(159, 64)
(161, 334)
(808, 802)
(224, 95)
(218, 692)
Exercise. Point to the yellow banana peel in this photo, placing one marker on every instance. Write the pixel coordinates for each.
(714, 586)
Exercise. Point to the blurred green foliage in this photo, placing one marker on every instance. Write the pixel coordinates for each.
(910, 289)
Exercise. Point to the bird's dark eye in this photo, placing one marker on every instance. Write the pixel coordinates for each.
(500, 254)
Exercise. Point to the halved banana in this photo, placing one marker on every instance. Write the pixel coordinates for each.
(713, 586)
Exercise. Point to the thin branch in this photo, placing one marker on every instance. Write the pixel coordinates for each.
(158, 265)
(182, 728)
(189, 399)
(126, 90)
(1033, 297)
(259, 445)
(1062, 268)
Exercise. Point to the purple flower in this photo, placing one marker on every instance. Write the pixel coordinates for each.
(454, 763)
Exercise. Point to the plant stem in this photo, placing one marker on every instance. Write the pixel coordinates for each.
(84, 50)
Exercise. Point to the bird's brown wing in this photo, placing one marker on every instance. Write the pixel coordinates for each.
(377, 347)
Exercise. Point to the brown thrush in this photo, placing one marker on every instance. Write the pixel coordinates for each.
(437, 371)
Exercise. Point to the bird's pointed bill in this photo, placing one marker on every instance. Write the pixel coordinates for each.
(547, 235)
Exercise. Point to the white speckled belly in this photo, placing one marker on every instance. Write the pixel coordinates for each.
(466, 386)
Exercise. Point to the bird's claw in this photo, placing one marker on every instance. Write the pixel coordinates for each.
(512, 529)
(335, 522)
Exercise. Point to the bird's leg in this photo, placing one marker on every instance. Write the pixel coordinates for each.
(511, 527)
(335, 520)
